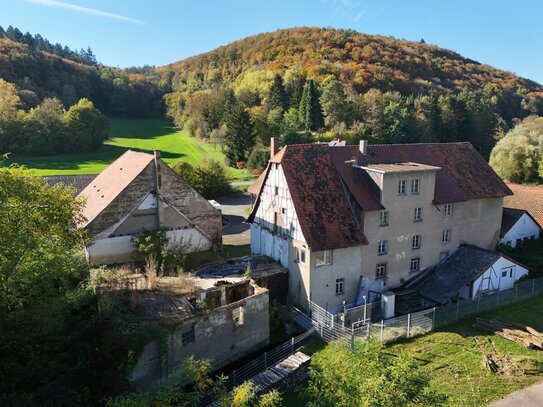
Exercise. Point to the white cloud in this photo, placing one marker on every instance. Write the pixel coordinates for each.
(350, 9)
(86, 10)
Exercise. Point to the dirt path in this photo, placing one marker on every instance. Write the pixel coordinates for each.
(529, 397)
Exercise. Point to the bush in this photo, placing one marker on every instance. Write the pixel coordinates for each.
(258, 159)
(209, 178)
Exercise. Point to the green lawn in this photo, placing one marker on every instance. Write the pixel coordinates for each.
(136, 134)
(454, 360)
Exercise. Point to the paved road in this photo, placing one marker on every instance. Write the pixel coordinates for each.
(235, 231)
(529, 397)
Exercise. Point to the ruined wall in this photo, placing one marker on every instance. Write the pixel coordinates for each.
(217, 336)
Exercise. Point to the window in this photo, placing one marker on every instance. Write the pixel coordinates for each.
(323, 258)
(284, 211)
(508, 243)
(187, 336)
(276, 191)
(418, 215)
(381, 271)
(300, 255)
(340, 286)
(238, 317)
(443, 255)
(445, 236)
(504, 273)
(401, 187)
(382, 247)
(383, 218)
(415, 263)
(416, 242)
(448, 209)
(415, 184)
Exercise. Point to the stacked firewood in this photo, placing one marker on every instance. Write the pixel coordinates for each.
(522, 334)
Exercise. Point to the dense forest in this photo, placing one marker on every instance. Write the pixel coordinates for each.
(309, 84)
(42, 70)
(302, 84)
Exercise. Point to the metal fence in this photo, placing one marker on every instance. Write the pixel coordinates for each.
(337, 327)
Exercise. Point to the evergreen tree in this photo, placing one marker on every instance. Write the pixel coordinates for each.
(310, 110)
(334, 103)
(239, 137)
(277, 98)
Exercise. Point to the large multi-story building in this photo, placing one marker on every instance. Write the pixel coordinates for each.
(349, 221)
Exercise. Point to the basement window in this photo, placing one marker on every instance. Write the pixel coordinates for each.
(323, 258)
(415, 265)
(187, 336)
(443, 255)
(238, 317)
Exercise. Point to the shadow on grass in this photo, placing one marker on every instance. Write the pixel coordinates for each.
(145, 129)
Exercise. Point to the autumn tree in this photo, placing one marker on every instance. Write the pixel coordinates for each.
(86, 126)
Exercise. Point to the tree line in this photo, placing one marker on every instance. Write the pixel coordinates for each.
(42, 70)
(49, 128)
(301, 110)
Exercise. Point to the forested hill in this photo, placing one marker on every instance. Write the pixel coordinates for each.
(40, 70)
(360, 61)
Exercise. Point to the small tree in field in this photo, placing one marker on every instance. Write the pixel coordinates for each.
(368, 376)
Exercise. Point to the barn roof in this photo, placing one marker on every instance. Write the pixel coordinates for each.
(78, 181)
(101, 192)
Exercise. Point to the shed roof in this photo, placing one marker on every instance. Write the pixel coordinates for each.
(443, 281)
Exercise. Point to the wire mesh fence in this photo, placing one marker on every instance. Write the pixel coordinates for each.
(417, 323)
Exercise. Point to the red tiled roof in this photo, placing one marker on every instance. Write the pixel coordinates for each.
(528, 198)
(317, 173)
(111, 182)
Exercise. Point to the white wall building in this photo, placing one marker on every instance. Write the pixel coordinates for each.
(518, 226)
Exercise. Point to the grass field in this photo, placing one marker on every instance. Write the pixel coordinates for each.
(454, 359)
(141, 135)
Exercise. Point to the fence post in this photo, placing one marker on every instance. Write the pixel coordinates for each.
(478, 303)
(292, 345)
(533, 287)
(434, 319)
(352, 340)
(382, 329)
(516, 292)
(331, 321)
(408, 324)
(234, 377)
(368, 331)
(457, 309)
(498, 299)
(265, 360)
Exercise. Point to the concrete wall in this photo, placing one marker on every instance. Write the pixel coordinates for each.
(524, 228)
(216, 337)
(501, 276)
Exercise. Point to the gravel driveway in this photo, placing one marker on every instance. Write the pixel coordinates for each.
(235, 231)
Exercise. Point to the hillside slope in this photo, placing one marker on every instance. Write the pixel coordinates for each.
(360, 61)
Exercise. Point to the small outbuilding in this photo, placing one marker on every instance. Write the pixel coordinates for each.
(470, 272)
(138, 192)
(518, 226)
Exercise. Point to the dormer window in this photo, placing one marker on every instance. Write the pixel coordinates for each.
(402, 187)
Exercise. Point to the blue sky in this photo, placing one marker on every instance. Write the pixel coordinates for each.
(507, 34)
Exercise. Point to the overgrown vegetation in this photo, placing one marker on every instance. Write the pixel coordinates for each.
(198, 372)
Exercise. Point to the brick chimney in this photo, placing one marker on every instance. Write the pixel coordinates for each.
(156, 153)
(364, 147)
(274, 146)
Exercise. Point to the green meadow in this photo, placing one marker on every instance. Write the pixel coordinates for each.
(143, 135)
